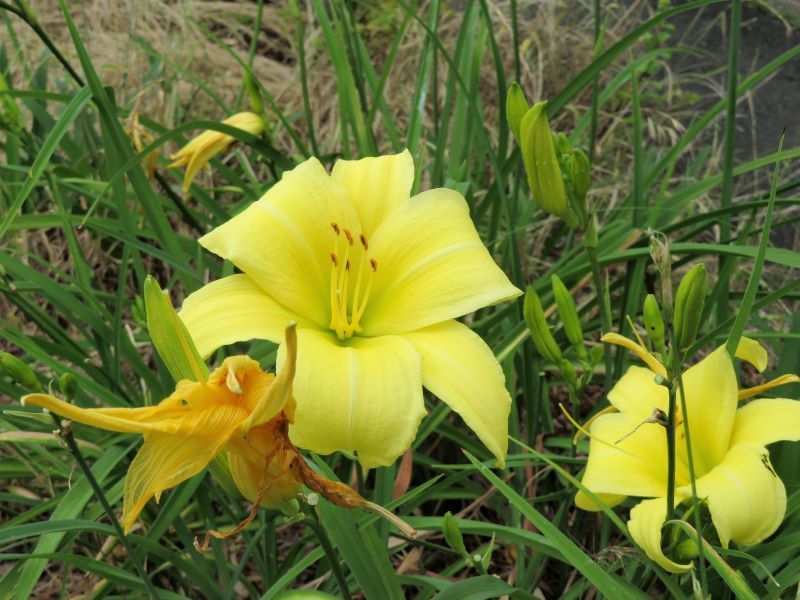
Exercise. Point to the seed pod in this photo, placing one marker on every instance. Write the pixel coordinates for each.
(68, 385)
(568, 314)
(516, 107)
(689, 300)
(653, 321)
(19, 372)
(540, 332)
(541, 165)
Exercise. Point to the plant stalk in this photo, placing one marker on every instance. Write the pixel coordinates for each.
(600, 289)
(314, 523)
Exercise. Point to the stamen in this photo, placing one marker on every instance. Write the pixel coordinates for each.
(348, 306)
(364, 241)
(333, 258)
(349, 236)
(335, 228)
(374, 264)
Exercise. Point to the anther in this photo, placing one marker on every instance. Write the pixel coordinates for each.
(333, 258)
(347, 265)
(374, 264)
(364, 241)
(335, 228)
(349, 237)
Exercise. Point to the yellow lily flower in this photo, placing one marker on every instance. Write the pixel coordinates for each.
(628, 453)
(375, 279)
(201, 149)
(239, 410)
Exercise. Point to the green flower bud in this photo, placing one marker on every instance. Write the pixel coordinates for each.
(689, 302)
(568, 372)
(580, 171)
(686, 550)
(541, 165)
(19, 372)
(253, 93)
(452, 534)
(568, 314)
(68, 385)
(540, 332)
(659, 252)
(653, 322)
(516, 107)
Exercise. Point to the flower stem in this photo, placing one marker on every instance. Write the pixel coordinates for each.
(671, 452)
(605, 310)
(64, 432)
(314, 523)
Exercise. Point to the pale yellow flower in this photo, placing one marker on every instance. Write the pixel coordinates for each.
(628, 455)
(208, 144)
(375, 280)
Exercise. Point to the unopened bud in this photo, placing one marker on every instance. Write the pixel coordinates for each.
(253, 93)
(516, 107)
(580, 172)
(540, 332)
(541, 165)
(689, 302)
(686, 550)
(568, 314)
(653, 322)
(19, 372)
(568, 372)
(68, 385)
(452, 534)
(659, 252)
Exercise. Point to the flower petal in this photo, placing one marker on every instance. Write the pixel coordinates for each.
(233, 309)
(746, 498)
(765, 421)
(639, 350)
(647, 519)
(626, 458)
(164, 461)
(364, 395)
(637, 393)
(711, 399)
(376, 186)
(284, 240)
(459, 368)
(431, 266)
(753, 352)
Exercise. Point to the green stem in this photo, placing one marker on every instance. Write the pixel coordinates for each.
(671, 452)
(600, 289)
(66, 434)
(314, 523)
(696, 513)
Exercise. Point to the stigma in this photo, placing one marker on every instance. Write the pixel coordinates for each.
(351, 281)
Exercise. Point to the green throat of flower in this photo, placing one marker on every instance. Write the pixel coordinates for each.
(351, 281)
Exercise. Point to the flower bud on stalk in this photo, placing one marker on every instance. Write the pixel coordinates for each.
(516, 107)
(568, 314)
(653, 321)
(689, 302)
(19, 371)
(68, 385)
(540, 332)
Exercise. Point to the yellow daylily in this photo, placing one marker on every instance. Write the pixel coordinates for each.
(628, 451)
(239, 410)
(205, 146)
(375, 279)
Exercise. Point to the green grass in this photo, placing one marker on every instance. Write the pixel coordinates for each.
(82, 226)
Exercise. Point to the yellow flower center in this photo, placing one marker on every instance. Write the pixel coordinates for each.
(350, 263)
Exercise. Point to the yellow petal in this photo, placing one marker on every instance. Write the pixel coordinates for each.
(584, 502)
(284, 240)
(746, 498)
(232, 309)
(363, 395)
(626, 458)
(376, 186)
(268, 399)
(124, 420)
(208, 148)
(753, 352)
(431, 266)
(758, 389)
(459, 368)
(711, 400)
(637, 393)
(639, 350)
(164, 461)
(647, 519)
(765, 421)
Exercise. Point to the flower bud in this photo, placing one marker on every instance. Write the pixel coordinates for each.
(19, 372)
(68, 385)
(689, 302)
(541, 165)
(516, 107)
(686, 550)
(540, 332)
(659, 252)
(452, 534)
(568, 314)
(253, 93)
(653, 322)
(580, 180)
